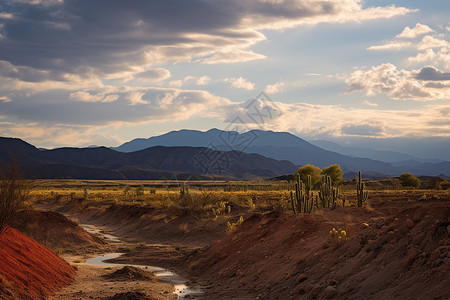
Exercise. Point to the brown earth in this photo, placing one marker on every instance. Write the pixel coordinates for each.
(29, 270)
(57, 232)
(138, 223)
(91, 282)
(397, 248)
(391, 253)
(128, 272)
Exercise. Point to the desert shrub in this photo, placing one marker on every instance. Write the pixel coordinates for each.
(233, 226)
(445, 185)
(335, 173)
(126, 190)
(140, 190)
(409, 180)
(14, 191)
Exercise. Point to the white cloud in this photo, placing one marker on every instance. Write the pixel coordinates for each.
(135, 98)
(417, 30)
(5, 99)
(397, 84)
(275, 88)
(204, 80)
(176, 83)
(240, 83)
(391, 46)
(153, 75)
(232, 56)
(335, 120)
(431, 42)
(439, 57)
(373, 104)
(85, 96)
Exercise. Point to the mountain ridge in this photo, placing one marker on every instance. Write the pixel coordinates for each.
(284, 146)
(158, 163)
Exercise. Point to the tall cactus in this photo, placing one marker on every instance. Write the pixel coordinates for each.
(361, 194)
(328, 194)
(304, 197)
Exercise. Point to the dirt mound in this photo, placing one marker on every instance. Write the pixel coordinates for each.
(57, 232)
(398, 254)
(129, 296)
(135, 223)
(128, 272)
(29, 270)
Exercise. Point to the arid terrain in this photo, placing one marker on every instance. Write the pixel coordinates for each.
(395, 247)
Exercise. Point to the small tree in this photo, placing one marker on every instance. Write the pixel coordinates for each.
(407, 179)
(14, 191)
(335, 173)
(311, 170)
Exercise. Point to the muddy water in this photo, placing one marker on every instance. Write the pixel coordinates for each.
(181, 289)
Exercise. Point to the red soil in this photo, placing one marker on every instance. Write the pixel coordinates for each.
(392, 253)
(29, 270)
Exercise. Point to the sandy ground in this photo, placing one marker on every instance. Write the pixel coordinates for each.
(89, 283)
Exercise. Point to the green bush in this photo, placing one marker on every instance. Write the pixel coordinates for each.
(409, 180)
(335, 173)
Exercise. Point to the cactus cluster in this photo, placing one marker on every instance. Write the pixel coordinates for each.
(302, 199)
(361, 194)
(338, 237)
(328, 194)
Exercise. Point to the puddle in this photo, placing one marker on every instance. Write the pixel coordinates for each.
(181, 289)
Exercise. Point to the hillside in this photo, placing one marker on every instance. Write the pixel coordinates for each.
(286, 146)
(391, 253)
(29, 270)
(152, 163)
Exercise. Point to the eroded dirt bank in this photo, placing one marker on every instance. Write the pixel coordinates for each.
(395, 250)
(29, 270)
(397, 253)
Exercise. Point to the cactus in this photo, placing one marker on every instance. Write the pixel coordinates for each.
(328, 194)
(361, 194)
(303, 197)
(184, 191)
(85, 194)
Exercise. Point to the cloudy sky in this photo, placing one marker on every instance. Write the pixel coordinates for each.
(83, 72)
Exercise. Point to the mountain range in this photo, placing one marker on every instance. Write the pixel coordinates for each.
(286, 146)
(154, 163)
(212, 154)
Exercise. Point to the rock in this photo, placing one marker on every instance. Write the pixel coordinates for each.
(409, 223)
(435, 255)
(411, 256)
(325, 245)
(330, 292)
(302, 277)
(403, 230)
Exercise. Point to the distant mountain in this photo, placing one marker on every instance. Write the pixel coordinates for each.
(286, 146)
(159, 162)
(381, 155)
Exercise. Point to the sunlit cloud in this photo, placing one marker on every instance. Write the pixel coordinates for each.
(275, 88)
(391, 46)
(431, 42)
(417, 30)
(336, 121)
(240, 83)
(396, 83)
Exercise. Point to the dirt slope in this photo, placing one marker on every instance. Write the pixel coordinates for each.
(398, 253)
(57, 232)
(29, 270)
